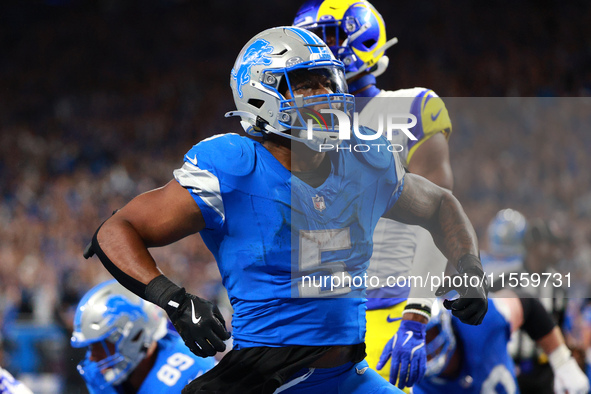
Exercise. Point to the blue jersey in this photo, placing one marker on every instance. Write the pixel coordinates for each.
(274, 237)
(175, 366)
(486, 366)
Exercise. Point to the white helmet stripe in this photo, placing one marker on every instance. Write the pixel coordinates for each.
(311, 39)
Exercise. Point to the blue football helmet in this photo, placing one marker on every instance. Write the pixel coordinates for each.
(122, 323)
(264, 72)
(440, 339)
(354, 31)
(506, 233)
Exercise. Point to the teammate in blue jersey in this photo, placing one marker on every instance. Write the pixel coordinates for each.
(290, 225)
(520, 248)
(468, 359)
(130, 349)
(356, 34)
(506, 244)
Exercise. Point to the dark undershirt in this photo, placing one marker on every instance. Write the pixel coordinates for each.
(317, 176)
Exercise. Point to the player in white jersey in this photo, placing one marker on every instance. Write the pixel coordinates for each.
(415, 253)
(9, 385)
(355, 31)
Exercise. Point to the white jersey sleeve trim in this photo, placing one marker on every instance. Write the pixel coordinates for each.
(400, 171)
(204, 184)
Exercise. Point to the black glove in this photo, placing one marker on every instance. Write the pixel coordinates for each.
(472, 305)
(198, 321)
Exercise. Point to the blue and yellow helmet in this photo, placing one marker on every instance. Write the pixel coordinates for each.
(353, 29)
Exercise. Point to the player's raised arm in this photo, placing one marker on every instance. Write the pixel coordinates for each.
(156, 218)
(423, 203)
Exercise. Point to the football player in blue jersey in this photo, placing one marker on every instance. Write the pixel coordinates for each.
(467, 359)
(506, 244)
(356, 34)
(520, 248)
(130, 349)
(290, 225)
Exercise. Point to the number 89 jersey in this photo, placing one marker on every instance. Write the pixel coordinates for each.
(273, 234)
(174, 368)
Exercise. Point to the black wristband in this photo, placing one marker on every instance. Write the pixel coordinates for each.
(537, 322)
(164, 293)
(470, 264)
(132, 284)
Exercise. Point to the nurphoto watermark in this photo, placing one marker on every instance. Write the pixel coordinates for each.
(392, 122)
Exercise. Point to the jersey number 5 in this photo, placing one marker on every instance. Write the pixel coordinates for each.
(330, 278)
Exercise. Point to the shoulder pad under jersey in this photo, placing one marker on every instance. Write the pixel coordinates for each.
(428, 107)
(230, 154)
(430, 111)
(435, 117)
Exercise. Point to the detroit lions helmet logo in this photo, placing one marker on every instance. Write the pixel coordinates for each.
(255, 54)
(118, 305)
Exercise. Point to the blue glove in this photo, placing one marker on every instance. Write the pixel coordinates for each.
(407, 348)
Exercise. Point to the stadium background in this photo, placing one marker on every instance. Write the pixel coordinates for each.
(99, 100)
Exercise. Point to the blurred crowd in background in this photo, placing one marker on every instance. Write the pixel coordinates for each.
(99, 101)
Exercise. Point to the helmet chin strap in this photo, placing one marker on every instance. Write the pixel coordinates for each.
(247, 121)
(364, 66)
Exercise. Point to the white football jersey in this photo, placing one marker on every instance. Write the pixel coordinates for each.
(400, 249)
(9, 385)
